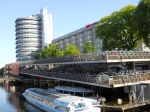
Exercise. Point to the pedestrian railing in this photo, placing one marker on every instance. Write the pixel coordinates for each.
(107, 55)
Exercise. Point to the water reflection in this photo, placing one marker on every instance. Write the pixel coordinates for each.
(12, 99)
(30, 107)
(5, 105)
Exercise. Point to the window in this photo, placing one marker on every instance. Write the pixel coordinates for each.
(98, 39)
(98, 45)
(61, 41)
(88, 36)
(85, 32)
(73, 41)
(66, 40)
(61, 46)
(98, 50)
(89, 32)
(73, 37)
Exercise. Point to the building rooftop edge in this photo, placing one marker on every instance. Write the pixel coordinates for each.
(76, 31)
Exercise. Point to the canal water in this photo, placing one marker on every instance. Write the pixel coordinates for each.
(11, 100)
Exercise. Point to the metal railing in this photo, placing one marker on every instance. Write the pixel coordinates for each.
(102, 78)
(107, 55)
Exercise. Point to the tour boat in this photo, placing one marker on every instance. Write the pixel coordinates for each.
(52, 101)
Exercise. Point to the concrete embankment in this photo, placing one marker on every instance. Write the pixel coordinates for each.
(4, 79)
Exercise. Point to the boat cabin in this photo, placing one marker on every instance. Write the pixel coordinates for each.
(76, 91)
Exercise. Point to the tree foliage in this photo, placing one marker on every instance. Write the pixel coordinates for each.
(118, 30)
(1, 71)
(71, 50)
(38, 56)
(54, 51)
(89, 48)
(51, 51)
(142, 20)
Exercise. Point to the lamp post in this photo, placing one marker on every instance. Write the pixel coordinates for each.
(40, 55)
(30, 56)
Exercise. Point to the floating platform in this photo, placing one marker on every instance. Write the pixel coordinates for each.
(124, 106)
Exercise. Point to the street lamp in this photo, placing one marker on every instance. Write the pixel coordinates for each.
(40, 55)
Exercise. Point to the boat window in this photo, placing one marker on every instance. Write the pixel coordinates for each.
(46, 102)
(61, 91)
(66, 92)
(68, 109)
(40, 99)
(79, 94)
(82, 105)
(63, 109)
(75, 105)
(57, 90)
(72, 93)
(88, 94)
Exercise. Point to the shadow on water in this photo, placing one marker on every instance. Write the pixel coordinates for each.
(15, 98)
(30, 107)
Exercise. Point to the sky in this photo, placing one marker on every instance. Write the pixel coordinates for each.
(68, 16)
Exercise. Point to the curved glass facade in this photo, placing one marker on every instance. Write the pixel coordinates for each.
(33, 33)
(28, 37)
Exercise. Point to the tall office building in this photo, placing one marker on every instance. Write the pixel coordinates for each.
(80, 37)
(33, 33)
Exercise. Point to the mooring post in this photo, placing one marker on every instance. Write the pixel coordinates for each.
(103, 110)
(134, 93)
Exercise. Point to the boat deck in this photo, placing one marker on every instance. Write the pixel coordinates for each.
(62, 98)
(49, 94)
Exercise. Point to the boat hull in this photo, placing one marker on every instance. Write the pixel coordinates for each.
(40, 105)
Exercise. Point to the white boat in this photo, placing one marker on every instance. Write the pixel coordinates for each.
(51, 101)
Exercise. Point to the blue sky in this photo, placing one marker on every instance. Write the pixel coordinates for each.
(68, 15)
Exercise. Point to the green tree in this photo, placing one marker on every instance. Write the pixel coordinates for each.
(1, 71)
(38, 56)
(89, 48)
(118, 30)
(71, 50)
(51, 51)
(59, 53)
(142, 20)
